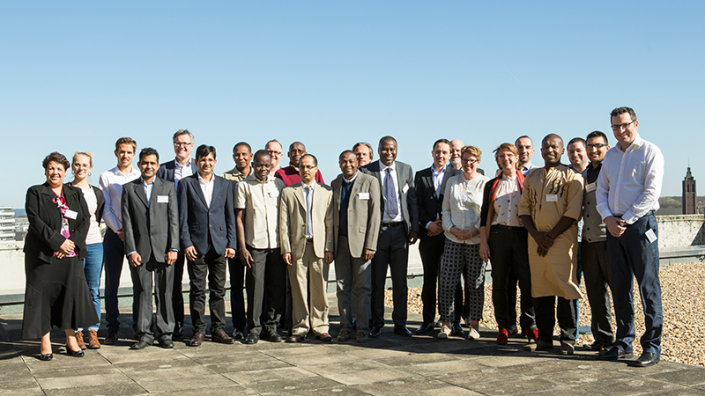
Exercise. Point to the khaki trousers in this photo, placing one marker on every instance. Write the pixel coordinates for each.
(308, 276)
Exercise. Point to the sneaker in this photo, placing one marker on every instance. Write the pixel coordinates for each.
(79, 339)
(502, 337)
(444, 332)
(473, 334)
(567, 349)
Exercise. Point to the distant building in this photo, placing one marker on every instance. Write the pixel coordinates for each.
(7, 224)
(690, 198)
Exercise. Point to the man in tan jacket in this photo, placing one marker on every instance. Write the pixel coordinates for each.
(306, 235)
(356, 223)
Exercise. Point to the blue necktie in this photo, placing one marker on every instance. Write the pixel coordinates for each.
(390, 195)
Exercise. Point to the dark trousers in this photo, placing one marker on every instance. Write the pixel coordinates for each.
(510, 262)
(177, 296)
(113, 258)
(266, 288)
(431, 251)
(633, 256)
(546, 313)
(237, 298)
(211, 265)
(393, 252)
(142, 293)
(598, 279)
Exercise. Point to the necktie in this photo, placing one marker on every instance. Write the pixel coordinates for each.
(390, 195)
(309, 225)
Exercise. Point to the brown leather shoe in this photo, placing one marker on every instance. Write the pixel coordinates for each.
(295, 338)
(197, 339)
(325, 337)
(93, 342)
(222, 337)
(79, 339)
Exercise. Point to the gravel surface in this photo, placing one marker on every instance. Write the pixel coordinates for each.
(683, 297)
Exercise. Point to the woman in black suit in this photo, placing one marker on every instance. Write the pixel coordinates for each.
(56, 292)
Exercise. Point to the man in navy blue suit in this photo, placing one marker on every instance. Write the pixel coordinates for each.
(208, 238)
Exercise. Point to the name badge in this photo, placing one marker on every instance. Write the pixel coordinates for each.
(591, 187)
(650, 235)
(364, 195)
(162, 199)
(71, 214)
(274, 194)
(551, 197)
(405, 189)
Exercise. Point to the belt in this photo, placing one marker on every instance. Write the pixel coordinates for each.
(649, 213)
(392, 224)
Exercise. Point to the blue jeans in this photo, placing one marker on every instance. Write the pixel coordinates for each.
(92, 266)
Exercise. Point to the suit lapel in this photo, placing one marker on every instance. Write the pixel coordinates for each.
(139, 191)
(199, 192)
(355, 188)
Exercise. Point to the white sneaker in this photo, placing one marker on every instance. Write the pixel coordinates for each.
(444, 333)
(473, 334)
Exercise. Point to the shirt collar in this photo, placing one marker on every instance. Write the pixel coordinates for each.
(383, 167)
(147, 184)
(433, 170)
(251, 177)
(133, 170)
(202, 181)
(188, 164)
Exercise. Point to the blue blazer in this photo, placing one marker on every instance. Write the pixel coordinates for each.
(203, 227)
(166, 170)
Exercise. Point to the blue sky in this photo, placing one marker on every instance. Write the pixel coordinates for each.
(78, 75)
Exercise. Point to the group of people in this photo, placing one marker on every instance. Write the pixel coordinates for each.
(278, 229)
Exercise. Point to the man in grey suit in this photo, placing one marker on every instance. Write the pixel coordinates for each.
(150, 218)
(208, 238)
(399, 228)
(356, 222)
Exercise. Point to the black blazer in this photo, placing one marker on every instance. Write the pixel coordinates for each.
(100, 198)
(166, 170)
(44, 234)
(203, 227)
(430, 207)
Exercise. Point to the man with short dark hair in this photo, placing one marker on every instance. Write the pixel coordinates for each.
(593, 248)
(150, 215)
(550, 205)
(577, 154)
(364, 153)
(356, 222)
(181, 166)
(526, 150)
(306, 241)
(430, 186)
(257, 216)
(111, 182)
(399, 229)
(242, 155)
(628, 189)
(291, 174)
(208, 238)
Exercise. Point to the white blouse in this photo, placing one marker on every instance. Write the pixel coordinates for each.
(506, 205)
(94, 235)
(462, 202)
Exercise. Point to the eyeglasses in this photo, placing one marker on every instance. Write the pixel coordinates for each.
(272, 152)
(619, 127)
(177, 144)
(596, 145)
(468, 161)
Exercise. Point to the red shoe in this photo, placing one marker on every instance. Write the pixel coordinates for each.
(532, 334)
(502, 337)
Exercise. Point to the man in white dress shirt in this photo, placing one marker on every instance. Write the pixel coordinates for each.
(111, 182)
(628, 189)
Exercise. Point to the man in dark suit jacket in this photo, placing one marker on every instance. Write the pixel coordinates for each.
(180, 167)
(430, 185)
(150, 218)
(399, 229)
(208, 238)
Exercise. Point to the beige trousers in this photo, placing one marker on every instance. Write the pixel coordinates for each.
(308, 276)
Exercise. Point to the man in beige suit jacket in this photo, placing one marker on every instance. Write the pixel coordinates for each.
(306, 234)
(356, 223)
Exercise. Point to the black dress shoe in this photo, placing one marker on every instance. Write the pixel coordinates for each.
(238, 335)
(166, 342)
(457, 330)
(251, 339)
(272, 337)
(46, 357)
(376, 331)
(597, 346)
(614, 353)
(513, 331)
(426, 328)
(78, 353)
(402, 331)
(111, 338)
(646, 359)
(141, 344)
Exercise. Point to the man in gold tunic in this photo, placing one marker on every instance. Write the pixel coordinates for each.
(550, 205)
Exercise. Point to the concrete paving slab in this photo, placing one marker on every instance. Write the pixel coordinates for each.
(417, 385)
(685, 376)
(79, 380)
(206, 383)
(127, 388)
